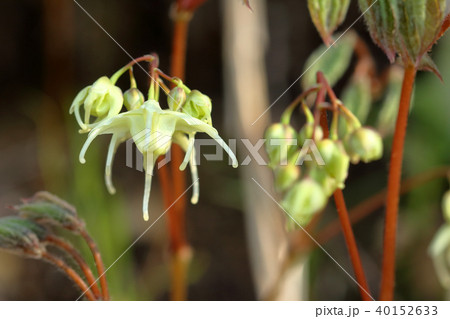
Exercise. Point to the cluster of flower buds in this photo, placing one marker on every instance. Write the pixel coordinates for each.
(152, 128)
(309, 166)
(36, 226)
(27, 232)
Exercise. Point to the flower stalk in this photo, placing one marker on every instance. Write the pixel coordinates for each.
(393, 190)
(340, 201)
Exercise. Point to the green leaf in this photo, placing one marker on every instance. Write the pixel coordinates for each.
(333, 63)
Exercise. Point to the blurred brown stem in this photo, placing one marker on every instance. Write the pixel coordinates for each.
(98, 263)
(71, 273)
(68, 248)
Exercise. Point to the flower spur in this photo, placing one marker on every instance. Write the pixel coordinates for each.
(153, 131)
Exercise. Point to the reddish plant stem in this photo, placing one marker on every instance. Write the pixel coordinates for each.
(340, 202)
(68, 248)
(393, 189)
(98, 263)
(351, 244)
(176, 215)
(72, 274)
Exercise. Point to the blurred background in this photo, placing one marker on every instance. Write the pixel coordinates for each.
(51, 49)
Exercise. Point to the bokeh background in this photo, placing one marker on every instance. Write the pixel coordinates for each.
(50, 49)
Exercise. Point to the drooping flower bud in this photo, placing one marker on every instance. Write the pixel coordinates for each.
(306, 133)
(327, 15)
(328, 183)
(336, 160)
(102, 99)
(364, 144)
(279, 142)
(133, 99)
(406, 28)
(304, 199)
(198, 105)
(176, 98)
(285, 176)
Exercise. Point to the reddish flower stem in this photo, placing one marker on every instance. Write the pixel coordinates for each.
(393, 189)
(68, 248)
(340, 202)
(98, 263)
(179, 246)
(72, 274)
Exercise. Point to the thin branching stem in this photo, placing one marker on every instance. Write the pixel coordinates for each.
(393, 193)
(340, 203)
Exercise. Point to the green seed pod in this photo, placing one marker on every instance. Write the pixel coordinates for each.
(446, 206)
(364, 144)
(304, 199)
(306, 132)
(133, 99)
(176, 98)
(406, 28)
(336, 160)
(285, 176)
(198, 105)
(279, 142)
(327, 15)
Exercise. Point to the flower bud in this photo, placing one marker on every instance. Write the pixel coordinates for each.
(406, 28)
(446, 206)
(328, 183)
(336, 160)
(102, 99)
(22, 236)
(285, 176)
(306, 133)
(304, 199)
(279, 142)
(327, 15)
(198, 105)
(364, 144)
(133, 99)
(176, 98)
